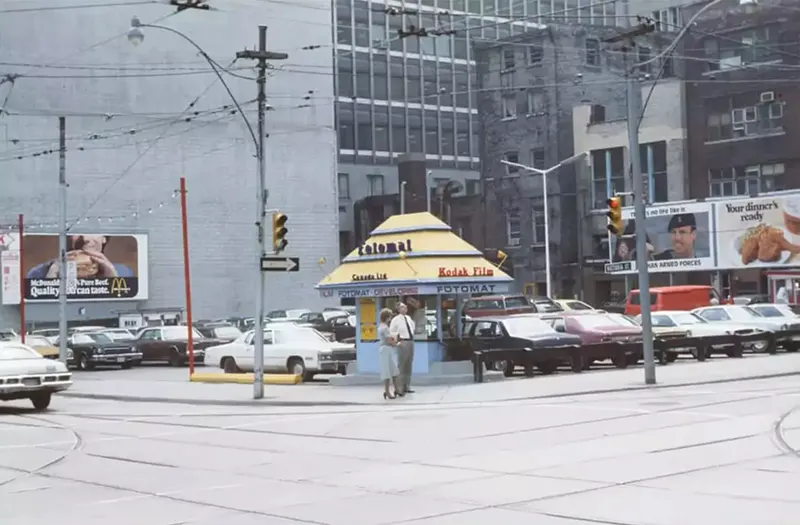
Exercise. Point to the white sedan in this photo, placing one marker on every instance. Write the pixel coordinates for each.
(25, 374)
(696, 326)
(288, 348)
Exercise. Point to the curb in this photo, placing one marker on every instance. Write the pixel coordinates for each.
(276, 402)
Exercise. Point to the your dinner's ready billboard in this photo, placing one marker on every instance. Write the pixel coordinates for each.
(679, 238)
(758, 232)
(100, 267)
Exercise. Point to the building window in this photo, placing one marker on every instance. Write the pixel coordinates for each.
(592, 52)
(746, 180)
(513, 228)
(511, 156)
(752, 46)
(644, 56)
(346, 136)
(537, 158)
(509, 60)
(667, 20)
(535, 102)
(473, 187)
(375, 185)
(744, 115)
(538, 225)
(344, 186)
(535, 54)
(364, 137)
(653, 158)
(508, 105)
(507, 80)
(608, 175)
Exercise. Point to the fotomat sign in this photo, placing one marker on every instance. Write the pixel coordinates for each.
(381, 248)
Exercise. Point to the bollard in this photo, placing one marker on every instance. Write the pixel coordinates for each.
(477, 367)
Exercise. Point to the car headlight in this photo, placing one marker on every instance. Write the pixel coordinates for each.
(70, 355)
(324, 356)
(98, 350)
(133, 349)
(784, 327)
(688, 333)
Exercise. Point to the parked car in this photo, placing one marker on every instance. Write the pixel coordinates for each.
(50, 333)
(41, 344)
(498, 305)
(169, 344)
(224, 332)
(696, 326)
(499, 335)
(776, 311)
(746, 317)
(93, 349)
(575, 306)
(119, 334)
(79, 329)
(288, 348)
(600, 328)
(338, 327)
(24, 374)
(287, 315)
(7, 334)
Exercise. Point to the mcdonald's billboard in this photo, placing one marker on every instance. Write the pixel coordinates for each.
(100, 267)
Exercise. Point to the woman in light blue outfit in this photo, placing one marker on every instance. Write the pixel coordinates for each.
(388, 357)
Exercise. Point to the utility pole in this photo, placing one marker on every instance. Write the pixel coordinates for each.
(644, 27)
(261, 56)
(62, 240)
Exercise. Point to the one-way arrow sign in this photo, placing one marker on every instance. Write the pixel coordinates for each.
(280, 264)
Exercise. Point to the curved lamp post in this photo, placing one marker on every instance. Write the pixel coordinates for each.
(136, 37)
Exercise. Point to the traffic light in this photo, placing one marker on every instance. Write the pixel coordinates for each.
(279, 231)
(615, 216)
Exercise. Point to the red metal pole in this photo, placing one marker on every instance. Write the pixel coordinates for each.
(21, 281)
(186, 278)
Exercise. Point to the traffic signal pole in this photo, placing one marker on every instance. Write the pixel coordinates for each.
(261, 56)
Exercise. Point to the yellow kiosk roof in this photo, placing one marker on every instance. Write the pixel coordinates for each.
(412, 254)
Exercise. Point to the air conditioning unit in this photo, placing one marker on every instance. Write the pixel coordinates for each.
(767, 96)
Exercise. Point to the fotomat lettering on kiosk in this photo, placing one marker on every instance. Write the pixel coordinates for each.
(417, 260)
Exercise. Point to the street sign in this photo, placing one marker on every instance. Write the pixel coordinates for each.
(280, 264)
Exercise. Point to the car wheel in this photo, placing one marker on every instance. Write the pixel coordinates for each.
(138, 362)
(620, 361)
(508, 368)
(736, 352)
(127, 366)
(41, 400)
(84, 363)
(175, 357)
(632, 359)
(296, 366)
(229, 366)
(671, 357)
(547, 367)
(791, 347)
(498, 366)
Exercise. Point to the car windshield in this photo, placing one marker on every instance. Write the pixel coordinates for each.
(179, 333)
(119, 336)
(685, 318)
(36, 341)
(546, 307)
(301, 335)
(8, 352)
(227, 332)
(578, 305)
(526, 326)
(662, 321)
(295, 314)
(597, 321)
(743, 313)
(772, 311)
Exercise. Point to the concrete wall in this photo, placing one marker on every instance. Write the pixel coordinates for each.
(106, 86)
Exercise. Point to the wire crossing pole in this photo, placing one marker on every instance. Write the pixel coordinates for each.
(634, 115)
(261, 56)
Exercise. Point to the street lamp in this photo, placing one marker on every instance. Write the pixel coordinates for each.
(544, 174)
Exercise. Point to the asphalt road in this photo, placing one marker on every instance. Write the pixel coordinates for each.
(698, 455)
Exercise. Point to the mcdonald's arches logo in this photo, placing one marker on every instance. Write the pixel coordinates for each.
(119, 287)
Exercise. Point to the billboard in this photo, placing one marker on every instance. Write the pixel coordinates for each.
(100, 267)
(758, 232)
(679, 239)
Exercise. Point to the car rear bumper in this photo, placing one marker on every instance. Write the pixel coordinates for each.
(332, 366)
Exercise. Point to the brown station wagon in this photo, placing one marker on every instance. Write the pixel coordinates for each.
(168, 344)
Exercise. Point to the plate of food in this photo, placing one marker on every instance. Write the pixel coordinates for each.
(765, 244)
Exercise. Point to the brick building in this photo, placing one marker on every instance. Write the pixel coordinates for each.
(743, 107)
(529, 85)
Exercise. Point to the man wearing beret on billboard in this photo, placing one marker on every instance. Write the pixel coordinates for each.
(683, 232)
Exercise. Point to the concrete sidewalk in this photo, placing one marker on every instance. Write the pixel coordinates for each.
(159, 385)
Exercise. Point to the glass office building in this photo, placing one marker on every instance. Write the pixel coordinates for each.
(417, 94)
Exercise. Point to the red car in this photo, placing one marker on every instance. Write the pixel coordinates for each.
(600, 328)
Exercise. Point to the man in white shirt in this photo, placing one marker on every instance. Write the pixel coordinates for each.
(402, 327)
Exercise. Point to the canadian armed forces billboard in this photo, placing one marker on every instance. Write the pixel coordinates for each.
(99, 267)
